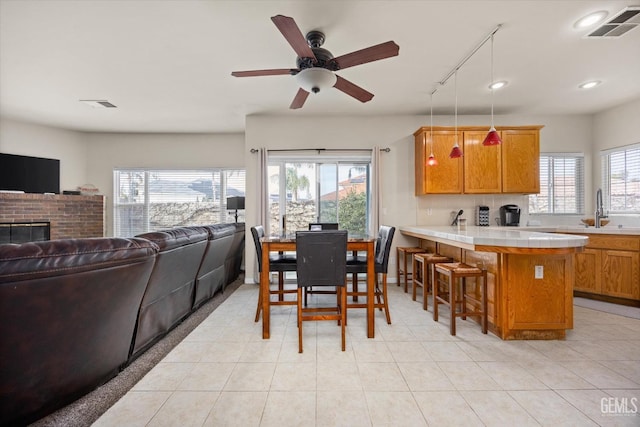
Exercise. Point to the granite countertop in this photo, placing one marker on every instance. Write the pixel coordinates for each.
(516, 237)
(607, 229)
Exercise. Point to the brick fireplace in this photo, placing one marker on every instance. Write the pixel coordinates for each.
(69, 216)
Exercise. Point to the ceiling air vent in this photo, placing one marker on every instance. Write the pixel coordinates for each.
(623, 22)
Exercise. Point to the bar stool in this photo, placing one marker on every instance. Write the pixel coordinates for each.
(423, 276)
(447, 274)
(405, 251)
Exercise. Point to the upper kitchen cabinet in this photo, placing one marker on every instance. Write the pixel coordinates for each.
(446, 176)
(521, 160)
(511, 167)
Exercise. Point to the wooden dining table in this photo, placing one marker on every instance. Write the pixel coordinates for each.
(288, 244)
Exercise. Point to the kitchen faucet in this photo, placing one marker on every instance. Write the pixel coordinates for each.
(599, 208)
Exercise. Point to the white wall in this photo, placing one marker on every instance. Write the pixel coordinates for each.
(28, 139)
(400, 206)
(106, 151)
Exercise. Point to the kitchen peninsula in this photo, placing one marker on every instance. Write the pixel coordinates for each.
(530, 275)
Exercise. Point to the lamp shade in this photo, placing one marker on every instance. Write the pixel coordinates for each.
(431, 161)
(493, 138)
(236, 202)
(456, 152)
(315, 79)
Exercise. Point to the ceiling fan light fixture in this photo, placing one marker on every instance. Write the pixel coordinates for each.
(315, 79)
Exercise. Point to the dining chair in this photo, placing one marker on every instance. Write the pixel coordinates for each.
(277, 262)
(319, 226)
(358, 264)
(321, 261)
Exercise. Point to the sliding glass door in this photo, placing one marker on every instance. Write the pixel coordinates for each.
(305, 190)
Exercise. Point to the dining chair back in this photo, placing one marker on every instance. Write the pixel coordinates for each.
(279, 263)
(319, 226)
(358, 264)
(321, 261)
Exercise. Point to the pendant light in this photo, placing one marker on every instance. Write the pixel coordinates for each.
(456, 152)
(493, 137)
(431, 161)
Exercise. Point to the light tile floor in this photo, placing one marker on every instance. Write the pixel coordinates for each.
(412, 374)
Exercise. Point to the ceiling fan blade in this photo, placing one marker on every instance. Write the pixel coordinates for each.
(352, 90)
(274, 72)
(292, 33)
(369, 54)
(299, 99)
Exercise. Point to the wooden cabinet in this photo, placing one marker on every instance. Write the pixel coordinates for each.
(511, 167)
(482, 165)
(446, 176)
(610, 267)
(520, 161)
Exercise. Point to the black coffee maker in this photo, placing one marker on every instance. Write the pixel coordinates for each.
(510, 215)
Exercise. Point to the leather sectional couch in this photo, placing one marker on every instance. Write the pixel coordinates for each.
(75, 312)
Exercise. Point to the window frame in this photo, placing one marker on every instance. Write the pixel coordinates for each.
(552, 178)
(219, 177)
(605, 156)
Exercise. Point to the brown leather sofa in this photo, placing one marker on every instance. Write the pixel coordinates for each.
(169, 295)
(74, 312)
(68, 309)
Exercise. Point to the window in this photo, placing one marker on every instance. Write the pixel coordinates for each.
(561, 185)
(621, 179)
(151, 200)
(303, 190)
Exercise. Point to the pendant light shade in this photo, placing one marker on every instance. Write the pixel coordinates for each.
(456, 152)
(493, 137)
(431, 161)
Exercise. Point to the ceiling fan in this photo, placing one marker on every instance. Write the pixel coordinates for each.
(317, 66)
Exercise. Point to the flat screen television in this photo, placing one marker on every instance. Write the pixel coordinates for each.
(29, 174)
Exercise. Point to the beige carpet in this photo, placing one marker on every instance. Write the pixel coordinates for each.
(86, 410)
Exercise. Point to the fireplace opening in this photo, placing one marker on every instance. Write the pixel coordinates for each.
(22, 232)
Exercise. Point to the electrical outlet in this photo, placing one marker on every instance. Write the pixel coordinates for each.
(539, 272)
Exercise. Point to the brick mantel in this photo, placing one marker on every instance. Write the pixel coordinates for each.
(70, 216)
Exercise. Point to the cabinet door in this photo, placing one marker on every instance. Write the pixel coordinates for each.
(482, 168)
(621, 274)
(588, 269)
(446, 176)
(520, 161)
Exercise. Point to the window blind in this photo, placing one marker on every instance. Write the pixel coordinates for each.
(621, 179)
(561, 185)
(154, 199)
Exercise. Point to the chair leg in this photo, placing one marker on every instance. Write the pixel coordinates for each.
(414, 276)
(299, 320)
(452, 305)
(398, 265)
(354, 281)
(259, 308)
(342, 290)
(280, 286)
(384, 297)
(434, 281)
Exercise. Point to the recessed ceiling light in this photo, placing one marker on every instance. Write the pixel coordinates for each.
(98, 103)
(591, 19)
(498, 85)
(589, 85)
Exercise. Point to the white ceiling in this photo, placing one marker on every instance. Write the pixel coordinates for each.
(167, 64)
